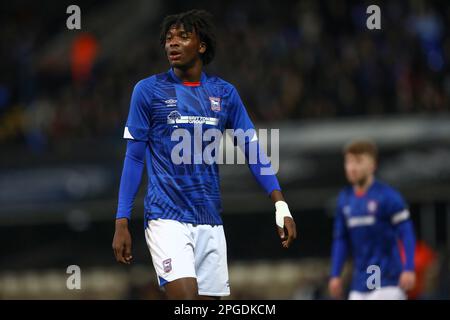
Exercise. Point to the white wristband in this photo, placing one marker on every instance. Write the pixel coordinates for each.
(281, 211)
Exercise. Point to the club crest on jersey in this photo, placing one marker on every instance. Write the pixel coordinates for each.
(167, 265)
(372, 206)
(215, 103)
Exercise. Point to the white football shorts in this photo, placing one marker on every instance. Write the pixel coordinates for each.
(383, 293)
(181, 250)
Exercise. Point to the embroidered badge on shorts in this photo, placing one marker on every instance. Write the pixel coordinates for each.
(167, 265)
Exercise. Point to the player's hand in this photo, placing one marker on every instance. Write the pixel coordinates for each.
(285, 224)
(407, 280)
(122, 242)
(335, 288)
(288, 233)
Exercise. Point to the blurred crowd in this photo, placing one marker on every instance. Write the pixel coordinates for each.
(295, 60)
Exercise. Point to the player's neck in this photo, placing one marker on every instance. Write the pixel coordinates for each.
(189, 74)
(364, 186)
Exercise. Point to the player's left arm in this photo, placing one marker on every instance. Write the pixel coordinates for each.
(261, 169)
(400, 219)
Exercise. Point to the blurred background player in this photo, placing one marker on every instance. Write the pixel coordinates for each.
(183, 222)
(371, 223)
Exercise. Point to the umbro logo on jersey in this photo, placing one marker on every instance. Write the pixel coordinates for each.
(171, 102)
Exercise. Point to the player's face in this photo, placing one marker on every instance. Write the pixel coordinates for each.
(358, 167)
(183, 48)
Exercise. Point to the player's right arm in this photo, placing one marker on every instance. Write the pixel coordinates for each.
(129, 186)
(137, 132)
(339, 252)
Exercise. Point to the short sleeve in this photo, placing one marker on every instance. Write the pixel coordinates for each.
(138, 122)
(238, 117)
(239, 121)
(396, 207)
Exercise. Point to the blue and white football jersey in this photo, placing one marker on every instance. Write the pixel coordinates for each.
(162, 104)
(368, 224)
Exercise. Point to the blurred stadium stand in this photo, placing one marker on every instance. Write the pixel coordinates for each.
(308, 68)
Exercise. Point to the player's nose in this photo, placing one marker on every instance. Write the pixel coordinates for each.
(173, 42)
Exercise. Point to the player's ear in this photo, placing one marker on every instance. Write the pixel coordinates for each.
(202, 48)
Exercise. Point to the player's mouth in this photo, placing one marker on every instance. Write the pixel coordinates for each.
(174, 55)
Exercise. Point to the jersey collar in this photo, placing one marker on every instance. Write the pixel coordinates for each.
(360, 194)
(188, 83)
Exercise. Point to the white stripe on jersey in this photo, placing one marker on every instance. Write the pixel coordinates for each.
(127, 134)
(400, 216)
